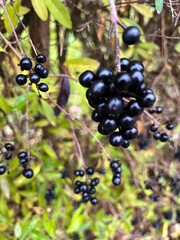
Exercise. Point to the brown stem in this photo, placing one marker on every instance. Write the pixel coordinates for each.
(27, 123)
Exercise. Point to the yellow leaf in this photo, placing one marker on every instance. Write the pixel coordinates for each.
(144, 9)
(40, 8)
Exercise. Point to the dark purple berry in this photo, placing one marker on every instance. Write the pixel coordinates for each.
(134, 108)
(125, 143)
(130, 133)
(94, 201)
(124, 64)
(135, 66)
(9, 147)
(94, 182)
(22, 154)
(137, 78)
(21, 79)
(158, 110)
(41, 58)
(157, 135)
(98, 89)
(115, 105)
(7, 155)
(34, 78)
(25, 63)
(104, 74)
(116, 139)
(109, 124)
(43, 87)
(131, 35)
(95, 116)
(169, 126)
(39, 68)
(153, 128)
(90, 171)
(122, 81)
(125, 121)
(114, 165)
(44, 73)
(164, 137)
(28, 173)
(2, 170)
(116, 181)
(86, 78)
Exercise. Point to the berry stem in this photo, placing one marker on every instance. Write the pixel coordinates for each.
(9, 45)
(27, 123)
(115, 21)
(15, 35)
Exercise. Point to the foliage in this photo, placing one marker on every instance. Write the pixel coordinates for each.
(77, 36)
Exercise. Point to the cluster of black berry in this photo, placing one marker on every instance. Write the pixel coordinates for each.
(6, 155)
(50, 194)
(116, 169)
(118, 100)
(86, 188)
(24, 161)
(35, 74)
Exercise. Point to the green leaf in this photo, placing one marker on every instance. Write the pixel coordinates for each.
(17, 230)
(2, 49)
(159, 5)
(12, 15)
(4, 105)
(47, 110)
(77, 221)
(40, 8)
(28, 228)
(144, 9)
(5, 187)
(149, 46)
(59, 12)
(20, 101)
(23, 10)
(81, 64)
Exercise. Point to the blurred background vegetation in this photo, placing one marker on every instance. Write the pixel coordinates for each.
(76, 36)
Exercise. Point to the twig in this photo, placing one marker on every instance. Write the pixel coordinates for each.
(114, 20)
(15, 35)
(10, 45)
(63, 75)
(27, 123)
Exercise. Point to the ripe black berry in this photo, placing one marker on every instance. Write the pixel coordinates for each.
(92, 190)
(130, 133)
(134, 108)
(9, 147)
(169, 126)
(109, 124)
(95, 116)
(64, 173)
(116, 139)
(39, 68)
(97, 89)
(94, 182)
(25, 64)
(125, 121)
(137, 78)
(157, 135)
(131, 35)
(34, 78)
(21, 79)
(115, 105)
(164, 137)
(22, 155)
(153, 128)
(135, 66)
(28, 173)
(44, 73)
(43, 87)
(2, 170)
(122, 81)
(86, 78)
(77, 190)
(7, 155)
(116, 180)
(168, 215)
(41, 58)
(104, 74)
(79, 173)
(148, 99)
(158, 110)
(124, 64)
(94, 201)
(101, 108)
(125, 143)
(114, 165)
(83, 188)
(90, 171)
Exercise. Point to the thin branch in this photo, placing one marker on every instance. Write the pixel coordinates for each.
(27, 123)
(15, 35)
(115, 21)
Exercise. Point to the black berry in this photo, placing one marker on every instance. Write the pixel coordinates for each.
(9, 147)
(34, 78)
(28, 173)
(2, 170)
(131, 35)
(43, 87)
(41, 58)
(25, 64)
(21, 79)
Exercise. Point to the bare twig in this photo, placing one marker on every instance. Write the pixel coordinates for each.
(27, 123)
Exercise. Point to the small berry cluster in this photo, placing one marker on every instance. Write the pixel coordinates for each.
(116, 169)
(50, 194)
(6, 155)
(86, 188)
(35, 74)
(24, 161)
(118, 100)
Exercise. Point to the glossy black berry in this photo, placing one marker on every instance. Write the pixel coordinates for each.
(135, 66)
(164, 137)
(25, 64)
(169, 126)
(122, 81)
(116, 181)
(38, 68)
(43, 87)
(34, 78)
(9, 147)
(90, 171)
(153, 128)
(124, 64)
(134, 108)
(115, 105)
(2, 170)
(79, 173)
(44, 73)
(157, 135)
(50, 195)
(151, 110)
(23, 161)
(131, 35)
(116, 139)
(7, 155)
(28, 173)
(94, 201)
(130, 133)
(126, 121)
(78, 183)
(137, 78)
(118, 170)
(101, 108)
(109, 124)
(125, 143)
(86, 78)
(77, 190)
(95, 116)
(94, 182)
(114, 165)
(158, 109)
(104, 74)
(92, 190)
(21, 79)
(22, 154)
(101, 129)
(41, 58)
(83, 188)
(64, 173)
(148, 100)
(98, 89)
